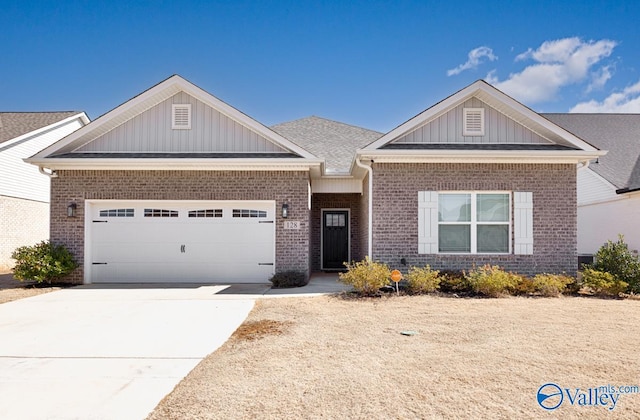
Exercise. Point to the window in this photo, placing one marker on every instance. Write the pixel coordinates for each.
(160, 213)
(181, 116)
(473, 122)
(335, 220)
(474, 223)
(248, 213)
(206, 213)
(116, 213)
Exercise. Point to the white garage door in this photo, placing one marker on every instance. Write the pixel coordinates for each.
(177, 241)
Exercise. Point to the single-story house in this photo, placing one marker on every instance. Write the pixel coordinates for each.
(609, 187)
(24, 192)
(176, 185)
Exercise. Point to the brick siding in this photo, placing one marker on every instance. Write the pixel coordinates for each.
(292, 246)
(395, 219)
(22, 222)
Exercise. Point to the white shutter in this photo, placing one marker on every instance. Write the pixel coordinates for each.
(427, 222)
(523, 223)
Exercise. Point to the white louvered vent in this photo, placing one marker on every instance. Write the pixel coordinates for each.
(473, 122)
(181, 116)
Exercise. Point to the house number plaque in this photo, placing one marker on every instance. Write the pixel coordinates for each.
(292, 225)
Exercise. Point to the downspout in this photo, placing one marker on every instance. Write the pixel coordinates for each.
(51, 174)
(370, 205)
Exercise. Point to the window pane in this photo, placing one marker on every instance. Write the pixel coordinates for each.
(493, 207)
(493, 238)
(454, 238)
(454, 207)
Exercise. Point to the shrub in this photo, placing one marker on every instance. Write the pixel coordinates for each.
(551, 284)
(452, 281)
(287, 279)
(603, 283)
(492, 281)
(422, 280)
(616, 259)
(43, 262)
(525, 286)
(366, 276)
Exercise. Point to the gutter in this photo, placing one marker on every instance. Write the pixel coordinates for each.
(627, 190)
(370, 205)
(51, 174)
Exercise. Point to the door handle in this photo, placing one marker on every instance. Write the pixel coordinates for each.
(182, 248)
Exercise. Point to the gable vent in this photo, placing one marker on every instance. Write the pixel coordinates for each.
(473, 122)
(181, 116)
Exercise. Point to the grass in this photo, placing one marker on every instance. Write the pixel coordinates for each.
(330, 357)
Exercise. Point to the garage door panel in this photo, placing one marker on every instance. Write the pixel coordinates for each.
(183, 249)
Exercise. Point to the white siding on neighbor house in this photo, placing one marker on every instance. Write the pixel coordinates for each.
(23, 180)
(211, 131)
(592, 188)
(448, 128)
(598, 223)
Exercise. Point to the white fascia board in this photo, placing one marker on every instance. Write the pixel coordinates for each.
(81, 116)
(478, 156)
(177, 164)
(493, 97)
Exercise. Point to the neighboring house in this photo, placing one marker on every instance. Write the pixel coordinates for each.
(609, 188)
(24, 192)
(176, 185)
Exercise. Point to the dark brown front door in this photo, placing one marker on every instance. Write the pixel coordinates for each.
(335, 239)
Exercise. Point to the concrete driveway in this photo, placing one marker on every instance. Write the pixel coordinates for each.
(107, 353)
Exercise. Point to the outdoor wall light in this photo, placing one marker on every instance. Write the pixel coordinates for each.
(71, 210)
(285, 210)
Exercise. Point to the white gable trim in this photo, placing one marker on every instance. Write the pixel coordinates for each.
(154, 96)
(497, 100)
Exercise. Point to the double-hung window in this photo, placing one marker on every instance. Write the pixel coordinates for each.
(474, 222)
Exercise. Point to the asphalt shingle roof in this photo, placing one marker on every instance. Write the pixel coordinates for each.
(617, 133)
(330, 140)
(15, 124)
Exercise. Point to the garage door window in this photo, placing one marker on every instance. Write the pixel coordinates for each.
(249, 213)
(206, 213)
(160, 213)
(117, 213)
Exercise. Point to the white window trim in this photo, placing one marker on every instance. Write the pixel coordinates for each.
(474, 223)
(175, 126)
(465, 130)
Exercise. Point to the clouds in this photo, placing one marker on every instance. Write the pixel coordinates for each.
(475, 58)
(557, 64)
(627, 101)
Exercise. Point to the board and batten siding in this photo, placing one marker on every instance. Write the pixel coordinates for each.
(22, 180)
(211, 131)
(448, 128)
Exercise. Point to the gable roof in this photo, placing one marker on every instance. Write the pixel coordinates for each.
(17, 124)
(59, 153)
(575, 147)
(617, 133)
(333, 141)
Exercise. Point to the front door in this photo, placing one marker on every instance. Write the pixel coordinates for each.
(335, 239)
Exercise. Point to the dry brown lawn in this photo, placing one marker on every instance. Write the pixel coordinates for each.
(337, 358)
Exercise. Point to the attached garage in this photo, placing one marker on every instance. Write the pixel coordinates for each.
(179, 241)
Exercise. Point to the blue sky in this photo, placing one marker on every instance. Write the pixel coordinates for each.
(369, 63)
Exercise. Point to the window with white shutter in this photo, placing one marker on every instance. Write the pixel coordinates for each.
(473, 122)
(523, 223)
(181, 116)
